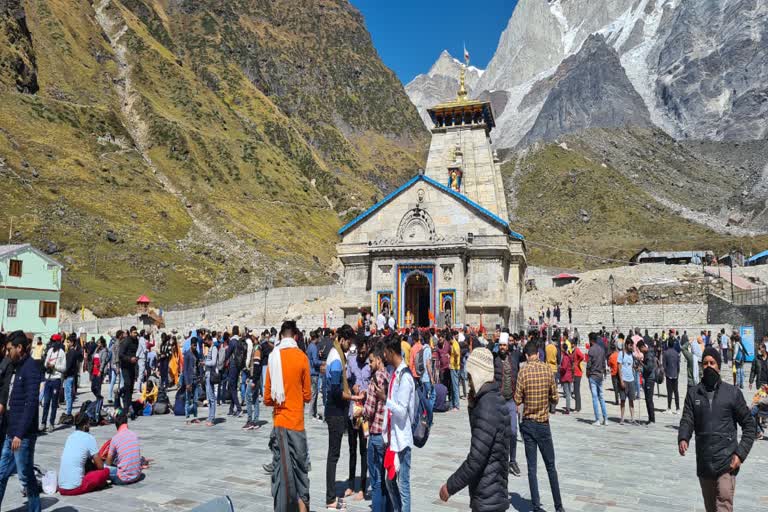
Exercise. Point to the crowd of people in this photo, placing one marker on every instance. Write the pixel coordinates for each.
(381, 387)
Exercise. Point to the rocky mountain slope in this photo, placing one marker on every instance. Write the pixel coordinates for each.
(188, 150)
(690, 75)
(440, 84)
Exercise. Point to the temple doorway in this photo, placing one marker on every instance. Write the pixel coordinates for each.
(417, 299)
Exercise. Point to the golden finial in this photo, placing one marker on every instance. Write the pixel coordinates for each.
(462, 95)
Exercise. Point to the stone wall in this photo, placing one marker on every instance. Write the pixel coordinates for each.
(690, 317)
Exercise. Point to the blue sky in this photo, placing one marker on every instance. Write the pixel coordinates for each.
(410, 34)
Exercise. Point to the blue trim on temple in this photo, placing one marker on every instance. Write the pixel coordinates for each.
(421, 177)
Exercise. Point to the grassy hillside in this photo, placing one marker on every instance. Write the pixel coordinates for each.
(188, 150)
(564, 199)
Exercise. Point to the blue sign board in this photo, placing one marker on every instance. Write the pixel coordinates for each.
(747, 333)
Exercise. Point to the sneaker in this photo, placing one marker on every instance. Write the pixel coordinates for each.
(268, 468)
(255, 426)
(676, 412)
(604, 422)
(514, 469)
(49, 429)
(596, 424)
(247, 425)
(230, 413)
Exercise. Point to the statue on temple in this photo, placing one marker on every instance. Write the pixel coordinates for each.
(454, 180)
(408, 319)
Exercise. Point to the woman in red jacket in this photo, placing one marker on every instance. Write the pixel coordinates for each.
(566, 376)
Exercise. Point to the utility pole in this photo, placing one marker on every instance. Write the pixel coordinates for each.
(731, 262)
(613, 312)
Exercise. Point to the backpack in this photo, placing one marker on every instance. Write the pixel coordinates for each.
(741, 357)
(240, 353)
(421, 416)
(418, 363)
(179, 403)
(93, 411)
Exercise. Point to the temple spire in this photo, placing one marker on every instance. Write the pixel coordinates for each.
(462, 94)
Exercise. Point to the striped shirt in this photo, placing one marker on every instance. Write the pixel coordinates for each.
(124, 450)
(374, 408)
(535, 389)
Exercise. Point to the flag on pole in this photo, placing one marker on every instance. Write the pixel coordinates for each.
(466, 55)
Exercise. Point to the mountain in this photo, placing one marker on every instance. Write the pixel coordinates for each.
(646, 87)
(700, 66)
(440, 84)
(190, 150)
(588, 89)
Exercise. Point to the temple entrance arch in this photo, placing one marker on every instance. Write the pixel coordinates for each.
(416, 295)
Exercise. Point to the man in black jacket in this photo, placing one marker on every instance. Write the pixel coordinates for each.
(128, 348)
(649, 369)
(486, 466)
(506, 365)
(712, 409)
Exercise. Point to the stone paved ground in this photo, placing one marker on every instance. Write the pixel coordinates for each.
(614, 468)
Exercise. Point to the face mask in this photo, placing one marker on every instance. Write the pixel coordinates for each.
(710, 378)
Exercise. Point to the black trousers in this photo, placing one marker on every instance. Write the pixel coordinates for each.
(616, 387)
(164, 373)
(648, 388)
(672, 389)
(355, 437)
(537, 437)
(96, 386)
(336, 427)
(129, 378)
(233, 396)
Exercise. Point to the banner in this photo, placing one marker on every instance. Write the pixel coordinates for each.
(747, 333)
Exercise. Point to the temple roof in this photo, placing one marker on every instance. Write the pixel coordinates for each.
(495, 219)
(463, 106)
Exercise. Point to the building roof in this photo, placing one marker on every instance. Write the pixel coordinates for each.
(674, 254)
(7, 251)
(565, 276)
(757, 256)
(461, 197)
(143, 300)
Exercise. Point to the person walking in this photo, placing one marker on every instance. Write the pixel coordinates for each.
(712, 409)
(18, 452)
(566, 377)
(74, 357)
(164, 359)
(55, 365)
(287, 389)
(671, 362)
(253, 389)
(128, 360)
(627, 388)
(236, 356)
(579, 365)
(374, 412)
(337, 409)
(506, 367)
(550, 353)
(649, 378)
(535, 391)
(613, 366)
(190, 382)
(314, 371)
(485, 469)
(359, 376)
(455, 367)
(401, 402)
(596, 359)
(758, 374)
(211, 378)
(114, 368)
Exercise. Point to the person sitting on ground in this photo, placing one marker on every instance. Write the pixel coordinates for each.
(81, 469)
(149, 392)
(124, 459)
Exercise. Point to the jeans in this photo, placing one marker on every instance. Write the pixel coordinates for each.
(190, 403)
(116, 479)
(114, 378)
(69, 393)
(512, 408)
(455, 389)
(322, 388)
(648, 389)
(355, 438)
(140, 378)
(243, 388)
(539, 436)
(252, 401)
(429, 392)
(399, 489)
(577, 391)
(463, 381)
(336, 427)
(210, 395)
(50, 399)
(313, 379)
(740, 376)
(234, 403)
(376, 472)
(672, 390)
(22, 461)
(598, 400)
(567, 392)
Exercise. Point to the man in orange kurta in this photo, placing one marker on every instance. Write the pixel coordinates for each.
(287, 388)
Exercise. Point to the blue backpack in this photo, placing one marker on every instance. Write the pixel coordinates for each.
(421, 416)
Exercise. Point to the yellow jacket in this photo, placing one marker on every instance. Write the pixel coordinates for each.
(455, 356)
(551, 353)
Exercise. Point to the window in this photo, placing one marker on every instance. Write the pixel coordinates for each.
(15, 268)
(47, 309)
(12, 307)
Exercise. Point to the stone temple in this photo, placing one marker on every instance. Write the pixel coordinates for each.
(439, 250)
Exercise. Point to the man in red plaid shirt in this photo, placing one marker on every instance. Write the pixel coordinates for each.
(373, 411)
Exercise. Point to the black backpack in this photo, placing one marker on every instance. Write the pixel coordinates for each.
(93, 411)
(240, 353)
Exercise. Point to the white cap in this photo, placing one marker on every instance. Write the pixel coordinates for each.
(504, 338)
(461, 337)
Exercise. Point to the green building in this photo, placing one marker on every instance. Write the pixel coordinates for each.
(30, 287)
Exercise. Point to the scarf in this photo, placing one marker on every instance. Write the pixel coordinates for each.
(276, 369)
(343, 359)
